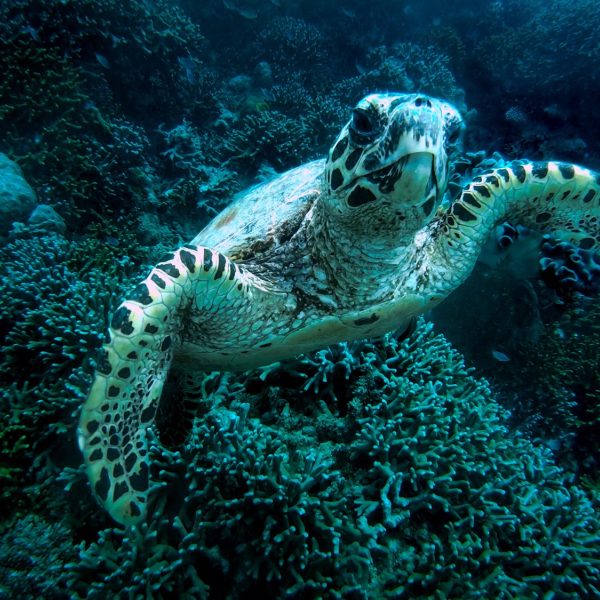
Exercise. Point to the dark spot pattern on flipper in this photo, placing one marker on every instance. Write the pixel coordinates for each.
(97, 454)
(147, 414)
(139, 481)
(519, 172)
(141, 294)
(471, 199)
(567, 171)
(188, 260)
(169, 269)
(102, 363)
(220, 267)
(121, 488)
(113, 454)
(232, 270)
(461, 213)
(207, 261)
(482, 190)
(92, 426)
(504, 174)
(540, 170)
(113, 391)
(336, 179)
(130, 461)
(121, 321)
(158, 281)
(589, 196)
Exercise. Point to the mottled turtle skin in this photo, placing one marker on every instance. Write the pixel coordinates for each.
(337, 249)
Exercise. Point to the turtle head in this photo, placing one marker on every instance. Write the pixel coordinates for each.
(389, 165)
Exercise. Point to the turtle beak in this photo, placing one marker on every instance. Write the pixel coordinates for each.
(416, 179)
(416, 176)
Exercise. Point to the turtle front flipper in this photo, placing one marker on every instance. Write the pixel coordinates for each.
(544, 196)
(194, 287)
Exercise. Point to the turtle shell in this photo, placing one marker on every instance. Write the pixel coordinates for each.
(266, 215)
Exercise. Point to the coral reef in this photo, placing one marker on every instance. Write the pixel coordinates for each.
(32, 554)
(295, 49)
(114, 40)
(72, 70)
(192, 177)
(379, 469)
(522, 62)
(541, 64)
(268, 137)
(569, 270)
(404, 66)
(555, 389)
(53, 307)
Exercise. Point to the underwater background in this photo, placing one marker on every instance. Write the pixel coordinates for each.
(460, 462)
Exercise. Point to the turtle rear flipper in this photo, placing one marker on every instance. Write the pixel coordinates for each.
(144, 332)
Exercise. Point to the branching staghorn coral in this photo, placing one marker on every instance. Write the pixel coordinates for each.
(296, 49)
(33, 552)
(53, 306)
(268, 137)
(115, 38)
(240, 515)
(399, 480)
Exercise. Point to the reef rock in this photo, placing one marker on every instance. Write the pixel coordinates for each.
(17, 198)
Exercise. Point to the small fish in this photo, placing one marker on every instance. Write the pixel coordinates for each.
(500, 356)
(102, 60)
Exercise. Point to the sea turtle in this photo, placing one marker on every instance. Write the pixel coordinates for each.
(340, 248)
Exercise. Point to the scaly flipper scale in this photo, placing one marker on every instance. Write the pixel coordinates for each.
(544, 196)
(144, 333)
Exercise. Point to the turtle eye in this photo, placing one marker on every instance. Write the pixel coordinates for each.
(362, 123)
